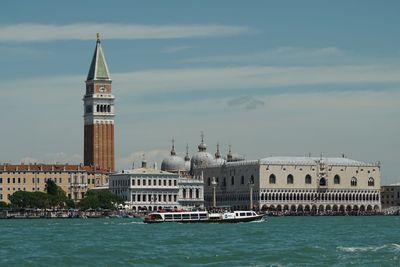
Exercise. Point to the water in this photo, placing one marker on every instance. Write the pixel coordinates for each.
(279, 241)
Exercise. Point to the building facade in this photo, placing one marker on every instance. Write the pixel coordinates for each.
(390, 196)
(75, 180)
(149, 189)
(294, 184)
(99, 114)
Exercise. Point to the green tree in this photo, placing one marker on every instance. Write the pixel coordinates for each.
(57, 196)
(100, 199)
(3, 204)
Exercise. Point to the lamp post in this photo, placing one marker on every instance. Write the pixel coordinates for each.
(214, 185)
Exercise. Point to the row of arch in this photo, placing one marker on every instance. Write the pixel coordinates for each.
(103, 108)
(320, 208)
(322, 181)
(313, 196)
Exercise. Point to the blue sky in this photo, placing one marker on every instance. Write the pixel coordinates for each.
(268, 77)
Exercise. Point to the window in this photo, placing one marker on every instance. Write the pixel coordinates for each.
(209, 181)
(19, 180)
(307, 179)
(174, 198)
(144, 198)
(242, 180)
(144, 183)
(159, 182)
(169, 182)
(290, 179)
(224, 182)
(138, 198)
(149, 182)
(138, 183)
(371, 181)
(184, 193)
(165, 182)
(133, 198)
(1, 180)
(272, 179)
(197, 193)
(336, 179)
(133, 182)
(154, 182)
(175, 183)
(353, 181)
(232, 180)
(322, 182)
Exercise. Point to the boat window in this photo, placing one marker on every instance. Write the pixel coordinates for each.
(194, 216)
(237, 214)
(177, 216)
(242, 214)
(203, 216)
(186, 216)
(168, 216)
(248, 213)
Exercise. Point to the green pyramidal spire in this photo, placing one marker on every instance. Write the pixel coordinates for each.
(98, 68)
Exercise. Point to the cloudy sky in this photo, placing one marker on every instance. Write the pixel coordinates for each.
(269, 77)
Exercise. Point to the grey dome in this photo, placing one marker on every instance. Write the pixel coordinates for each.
(173, 163)
(201, 159)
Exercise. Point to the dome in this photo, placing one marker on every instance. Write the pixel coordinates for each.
(173, 163)
(202, 157)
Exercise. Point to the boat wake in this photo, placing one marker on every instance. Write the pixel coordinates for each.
(391, 247)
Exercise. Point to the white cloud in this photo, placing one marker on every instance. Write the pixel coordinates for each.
(252, 77)
(86, 31)
(279, 55)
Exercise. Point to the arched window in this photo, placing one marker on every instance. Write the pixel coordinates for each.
(307, 179)
(197, 193)
(242, 180)
(371, 181)
(183, 193)
(232, 180)
(272, 179)
(353, 181)
(209, 181)
(109, 108)
(322, 182)
(224, 182)
(290, 179)
(97, 108)
(336, 179)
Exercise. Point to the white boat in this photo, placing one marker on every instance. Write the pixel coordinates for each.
(203, 217)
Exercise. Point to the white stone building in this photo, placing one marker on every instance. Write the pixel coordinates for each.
(149, 189)
(294, 184)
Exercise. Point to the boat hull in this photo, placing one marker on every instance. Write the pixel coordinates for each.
(233, 220)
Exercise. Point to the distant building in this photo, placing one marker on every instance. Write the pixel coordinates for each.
(390, 196)
(149, 189)
(75, 180)
(293, 184)
(99, 114)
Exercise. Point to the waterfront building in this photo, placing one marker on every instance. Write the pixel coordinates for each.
(75, 180)
(390, 196)
(292, 184)
(99, 114)
(149, 189)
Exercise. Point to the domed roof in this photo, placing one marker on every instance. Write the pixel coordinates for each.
(173, 163)
(202, 157)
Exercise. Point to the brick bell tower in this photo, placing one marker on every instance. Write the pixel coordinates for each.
(99, 114)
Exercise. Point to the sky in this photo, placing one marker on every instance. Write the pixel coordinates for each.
(271, 78)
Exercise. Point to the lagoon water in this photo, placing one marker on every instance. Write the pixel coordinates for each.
(278, 241)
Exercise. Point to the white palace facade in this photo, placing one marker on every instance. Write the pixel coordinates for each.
(293, 184)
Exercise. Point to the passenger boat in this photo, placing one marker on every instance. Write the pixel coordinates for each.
(203, 217)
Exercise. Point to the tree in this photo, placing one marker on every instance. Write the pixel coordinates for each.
(3, 204)
(100, 199)
(57, 196)
(23, 199)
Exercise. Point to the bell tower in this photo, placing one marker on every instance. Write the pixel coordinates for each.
(99, 114)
